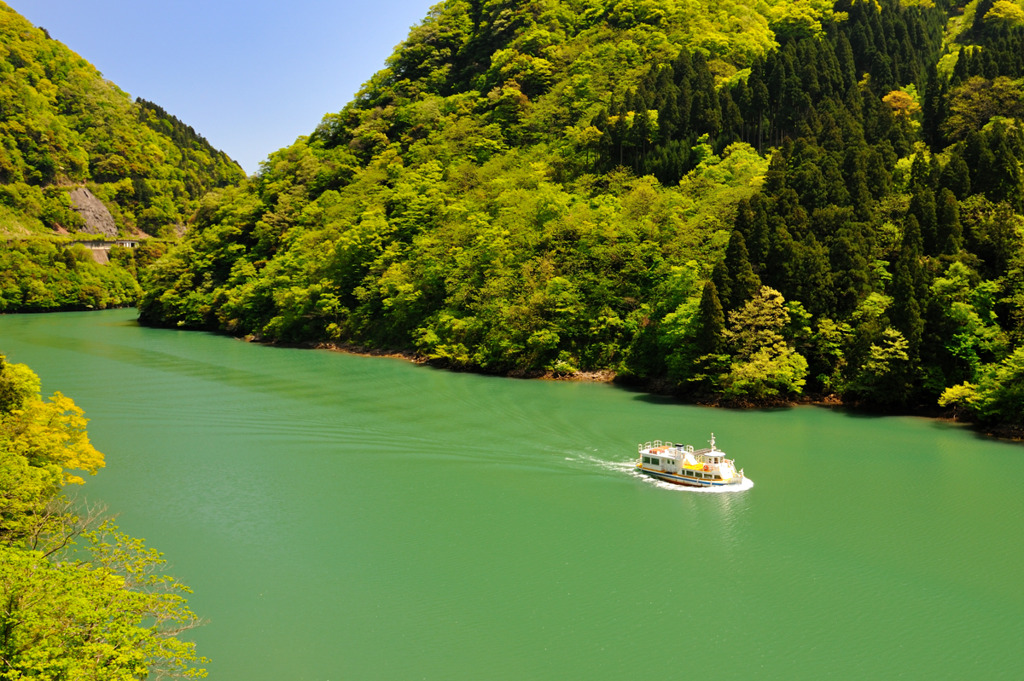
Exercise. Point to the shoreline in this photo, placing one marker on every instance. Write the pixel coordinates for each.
(1012, 434)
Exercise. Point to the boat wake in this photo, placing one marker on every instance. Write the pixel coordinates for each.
(589, 460)
(629, 468)
(725, 489)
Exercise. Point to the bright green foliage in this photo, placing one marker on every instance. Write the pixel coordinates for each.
(997, 398)
(974, 103)
(1006, 12)
(40, 275)
(884, 377)
(101, 611)
(763, 363)
(1001, 391)
(108, 616)
(827, 361)
(768, 373)
(43, 446)
(62, 124)
(962, 397)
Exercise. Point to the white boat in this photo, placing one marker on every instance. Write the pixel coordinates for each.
(683, 465)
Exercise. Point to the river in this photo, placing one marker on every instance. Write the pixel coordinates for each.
(345, 517)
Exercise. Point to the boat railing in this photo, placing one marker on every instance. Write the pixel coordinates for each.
(654, 444)
(667, 443)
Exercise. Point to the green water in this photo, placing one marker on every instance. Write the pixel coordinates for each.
(356, 518)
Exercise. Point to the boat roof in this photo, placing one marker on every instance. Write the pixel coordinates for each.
(672, 450)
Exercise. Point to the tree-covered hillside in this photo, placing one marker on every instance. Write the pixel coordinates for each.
(738, 199)
(63, 125)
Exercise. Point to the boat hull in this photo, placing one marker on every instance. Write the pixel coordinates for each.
(686, 481)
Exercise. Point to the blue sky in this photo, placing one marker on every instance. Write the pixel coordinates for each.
(250, 76)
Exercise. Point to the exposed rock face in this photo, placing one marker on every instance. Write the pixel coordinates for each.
(98, 219)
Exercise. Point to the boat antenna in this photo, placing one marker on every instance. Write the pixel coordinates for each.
(712, 441)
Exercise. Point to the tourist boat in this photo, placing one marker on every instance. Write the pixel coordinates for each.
(682, 465)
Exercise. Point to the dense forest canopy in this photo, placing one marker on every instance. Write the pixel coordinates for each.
(746, 200)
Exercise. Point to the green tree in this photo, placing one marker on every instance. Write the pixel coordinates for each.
(110, 616)
(1001, 391)
(734, 277)
(709, 357)
(975, 102)
(950, 233)
(909, 287)
(763, 366)
(956, 175)
(884, 377)
(710, 322)
(98, 610)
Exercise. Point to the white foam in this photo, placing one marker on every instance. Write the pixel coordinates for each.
(590, 460)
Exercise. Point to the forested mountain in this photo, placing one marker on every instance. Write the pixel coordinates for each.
(63, 125)
(65, 133)
(740, 200)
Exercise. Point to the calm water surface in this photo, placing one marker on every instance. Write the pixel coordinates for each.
(355, 518)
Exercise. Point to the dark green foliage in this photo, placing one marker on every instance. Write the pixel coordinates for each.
(710, 323)
(956, 175)
(734, 277)
(949, 233)
(908, 287)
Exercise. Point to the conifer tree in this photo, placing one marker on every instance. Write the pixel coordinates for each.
(908, 287)
(980, 161)
(736, 278)
(922, 207)
(1007, 180)
(956, 176)
(710, 322)
(950, 232)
